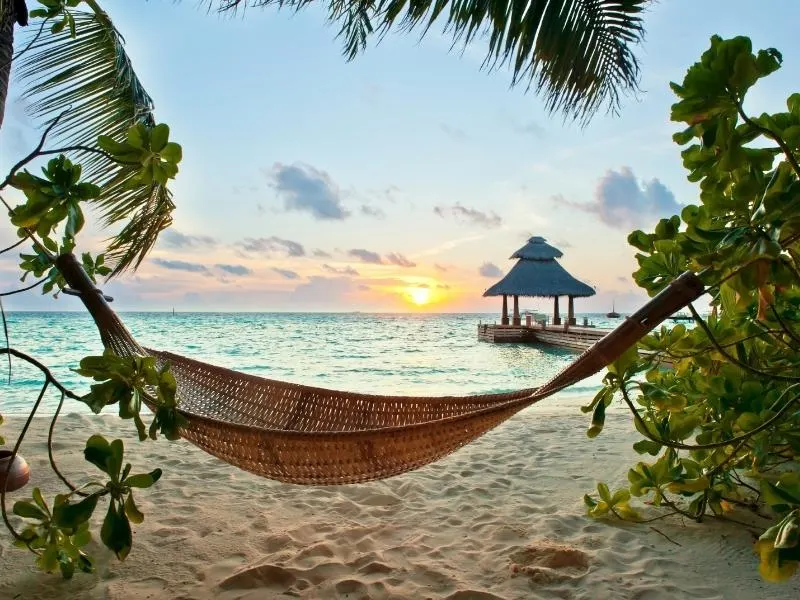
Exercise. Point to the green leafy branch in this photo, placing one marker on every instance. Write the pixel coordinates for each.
(57, 536)
(147, 158)
(129, 382)
(723, 420)
(111, 153)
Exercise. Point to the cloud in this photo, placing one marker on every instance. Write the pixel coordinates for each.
(172, 238)
(530, 128)
(235, 269)
(286, 273)
(398, 259)
(390, 193)
(469, 215)
(272, 245)
(320, 253)
(563, 244)
(320, 292)
(454, 132)
(307, 189)
(622, 279)
(622, 202)
(366, 256)
(180, 265)
(489, 270)
(443, 286)
(441, 268)
(372, 211)
(341, 271)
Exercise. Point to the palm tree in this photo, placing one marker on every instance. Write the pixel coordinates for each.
(80, 62)
(11, 13)
(576, 53)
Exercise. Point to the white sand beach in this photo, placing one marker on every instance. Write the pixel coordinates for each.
(501, 519)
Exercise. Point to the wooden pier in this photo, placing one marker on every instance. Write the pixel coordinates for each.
(570, 336)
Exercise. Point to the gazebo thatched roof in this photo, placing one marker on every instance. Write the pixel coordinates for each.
(537, 274)
(537, 249)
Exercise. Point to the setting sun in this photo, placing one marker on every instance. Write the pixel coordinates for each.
(419, 295)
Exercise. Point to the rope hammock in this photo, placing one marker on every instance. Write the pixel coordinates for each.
(309, 435)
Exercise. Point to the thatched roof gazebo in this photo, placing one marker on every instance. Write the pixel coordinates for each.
(538, 274)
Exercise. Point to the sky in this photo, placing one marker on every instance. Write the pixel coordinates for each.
(400, 181)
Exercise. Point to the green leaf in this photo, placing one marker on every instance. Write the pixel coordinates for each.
(690, 485)
(107, 457)
(132, 511)
(604, 493)
(778, 495)
(83, 536)
(172, 153)
(28, 510)
(788, 535)
(598, 420)
(71, 515)
(115, 460)
(116, 531)
(39, 499)
(106, 393)
(66, 565)
(601, 396)
(137, 136)
(647, 447)
(143, 480)
(48, 560)
(159, 136)
(97, 452)
(621, 496)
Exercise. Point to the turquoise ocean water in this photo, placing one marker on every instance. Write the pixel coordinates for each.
(369, 353)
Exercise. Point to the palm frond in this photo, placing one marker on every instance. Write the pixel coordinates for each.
(91, 76)
(577, 54)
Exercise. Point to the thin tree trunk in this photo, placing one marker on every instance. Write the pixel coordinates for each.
(7, 22)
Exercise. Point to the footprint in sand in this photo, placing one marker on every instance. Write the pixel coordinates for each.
(545, 562)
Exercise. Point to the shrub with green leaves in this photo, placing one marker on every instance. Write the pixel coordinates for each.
(124, 168)
(58, 535)
(723, 423)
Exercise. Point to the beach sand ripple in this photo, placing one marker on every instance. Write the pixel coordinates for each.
(502, 519)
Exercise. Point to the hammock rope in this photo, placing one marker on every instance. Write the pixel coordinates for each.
(308, 435)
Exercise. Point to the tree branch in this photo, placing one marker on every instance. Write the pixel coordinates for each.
(33, 153)
(25, 289)
(49, 377)
(699, 320)
(771, 135)
(29, 46)
(11, 462)
(12, 246)
(680, 446)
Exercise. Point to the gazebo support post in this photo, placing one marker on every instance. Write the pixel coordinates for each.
(516, 320)
(556, 315)
(571, 311)
(504, 317)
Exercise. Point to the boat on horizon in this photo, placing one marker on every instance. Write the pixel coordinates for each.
(613, 314)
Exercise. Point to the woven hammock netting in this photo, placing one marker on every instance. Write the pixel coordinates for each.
(309, 435)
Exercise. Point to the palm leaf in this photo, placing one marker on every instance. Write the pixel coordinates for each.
(576, 53)
(91, 76)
